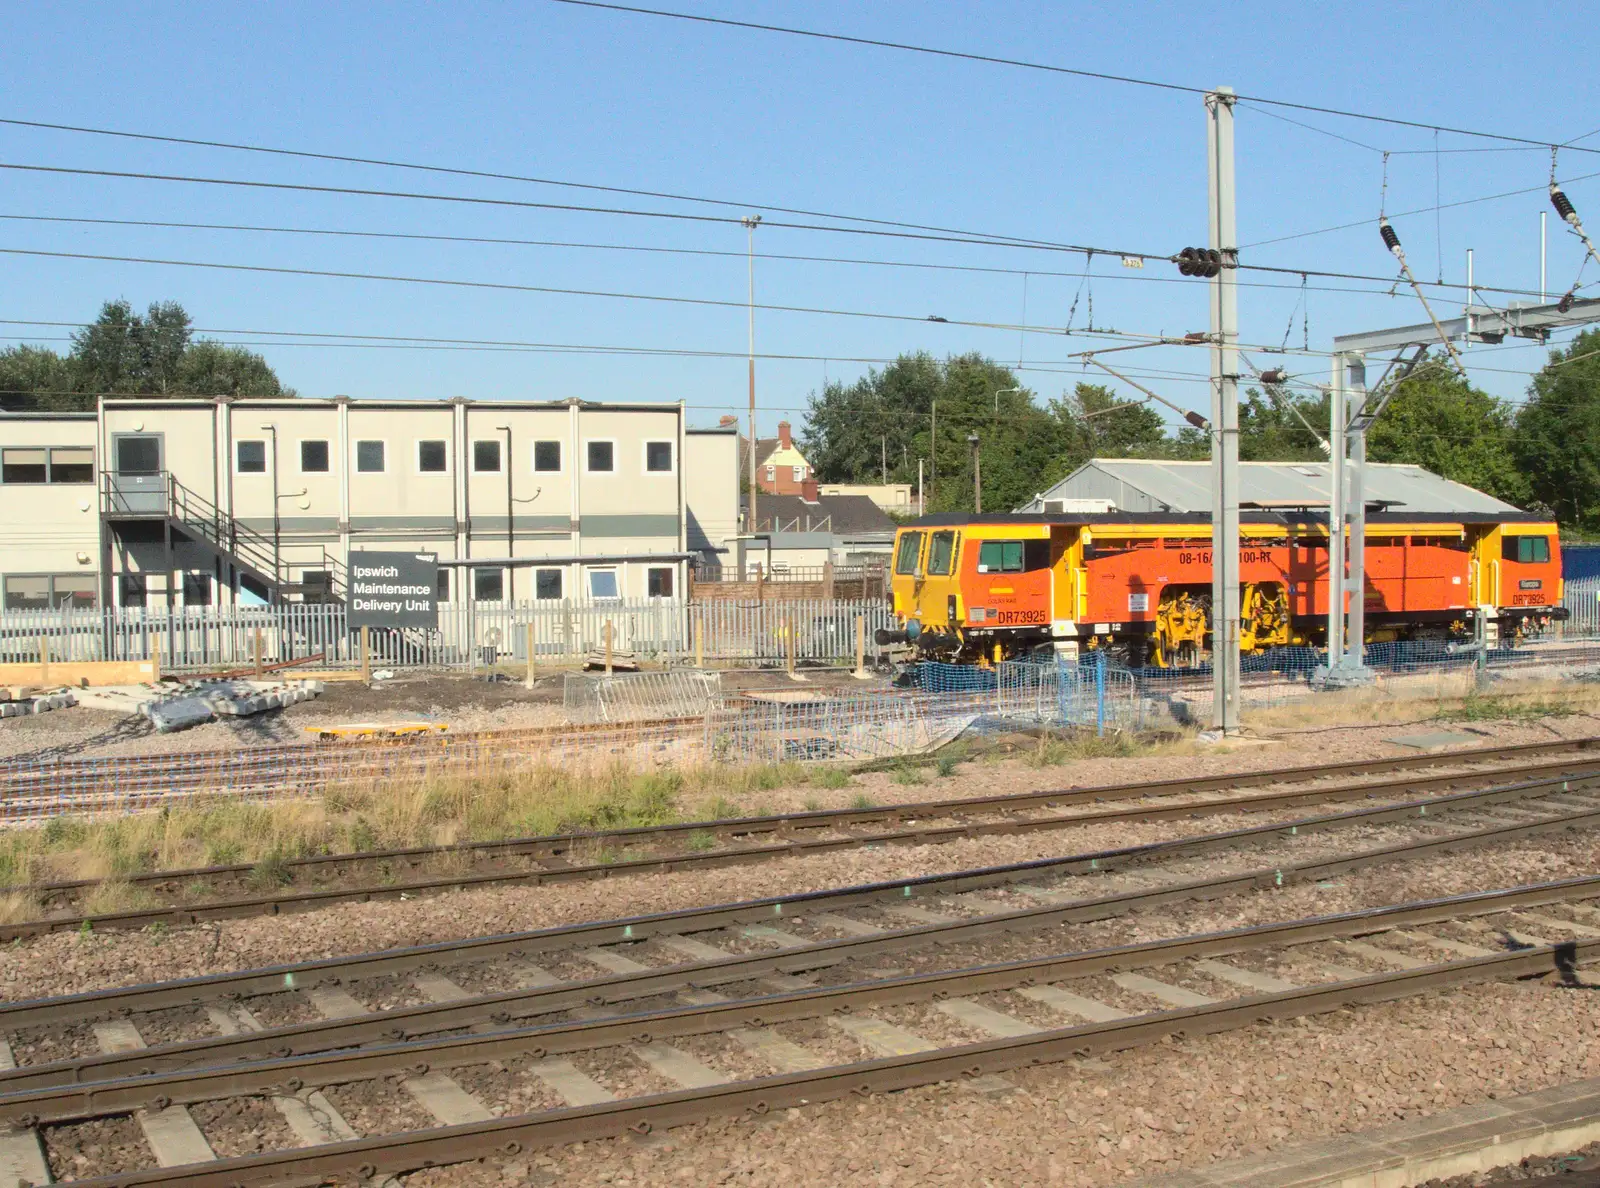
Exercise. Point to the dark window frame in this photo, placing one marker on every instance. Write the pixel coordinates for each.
(361, 456)
(611, 456)
(655, 586)
(256, 465)
(52, 600)
(478, 448)
(431, 443)
(327, 457)
(20, 474)
(540, 589)
(538, 447)
(481, 575)
(952, 540)
(649, 461)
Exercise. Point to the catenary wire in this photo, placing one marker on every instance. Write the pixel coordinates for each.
(716, 219)
(1101, 76)
(990, 269)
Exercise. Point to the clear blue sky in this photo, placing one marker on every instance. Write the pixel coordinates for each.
(623, 100)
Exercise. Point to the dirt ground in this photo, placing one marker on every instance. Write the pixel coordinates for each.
(462, 702)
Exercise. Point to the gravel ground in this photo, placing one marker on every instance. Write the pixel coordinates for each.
(1126, 1116)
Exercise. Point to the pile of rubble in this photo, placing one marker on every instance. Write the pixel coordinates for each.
(177, 705)
(17, 701)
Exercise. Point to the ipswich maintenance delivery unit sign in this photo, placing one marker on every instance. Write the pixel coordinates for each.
(393, 590)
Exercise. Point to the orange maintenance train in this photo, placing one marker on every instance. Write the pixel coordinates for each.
(984, 588)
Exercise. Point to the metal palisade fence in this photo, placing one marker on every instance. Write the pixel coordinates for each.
(469, 636)
(1581, 596)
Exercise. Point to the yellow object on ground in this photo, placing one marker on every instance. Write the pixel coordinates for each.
(376, 729)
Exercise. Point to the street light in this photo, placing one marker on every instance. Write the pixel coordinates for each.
(998, 393)
(751, 222)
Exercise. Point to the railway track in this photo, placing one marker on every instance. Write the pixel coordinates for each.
(595, 1072)
(408, 993)
(202, 893)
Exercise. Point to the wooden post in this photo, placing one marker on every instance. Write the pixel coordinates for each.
(259, 672)
(44, 659)
(155, 659)
(699, 644)
(861, 672)
(827, 579)
(528, 682)
(608, 647)
(366, 654)
(788, 644)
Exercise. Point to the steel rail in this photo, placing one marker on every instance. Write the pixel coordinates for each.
(301, 975)
(559, 846)
(499, 1009)
(407, 1151)
(59, 1102)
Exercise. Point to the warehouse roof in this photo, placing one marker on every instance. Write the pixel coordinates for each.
(1138, 484)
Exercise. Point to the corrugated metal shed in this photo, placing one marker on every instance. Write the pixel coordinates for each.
(1140, 485)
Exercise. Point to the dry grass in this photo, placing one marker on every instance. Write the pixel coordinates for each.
(1453, 697)
(379, 816)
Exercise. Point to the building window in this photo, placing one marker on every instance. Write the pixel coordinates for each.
(316, 585)
(50, 591)
(486, 457)
(659, 580)
(197, 589)
(250, 457)
(602, 457)
(603, 584)
(547, 457)
(23, 466)
(132, 589)
(799, 474)
(432, 457)
(772, 474)
(547, 584)
(658, 457)
(489, 585)
(72, 464)
(369, 457)
(314, 457)
(441, 585)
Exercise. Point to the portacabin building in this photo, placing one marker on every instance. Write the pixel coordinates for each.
(156, 502)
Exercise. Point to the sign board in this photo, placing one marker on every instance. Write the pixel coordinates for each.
(393, 590)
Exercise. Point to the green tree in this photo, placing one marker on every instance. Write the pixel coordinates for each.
(125, 353)
(887, 416)
(1273, 425)
(1439, 421)
(1558, 434)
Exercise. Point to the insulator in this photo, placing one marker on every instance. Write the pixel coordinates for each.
(1390, 239)
(1213, 262)
(1563, 204)
(1188, 261)
(1275, 376)
(1196, 420)
(1567, 298)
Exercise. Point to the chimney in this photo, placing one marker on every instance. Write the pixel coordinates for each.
(808, 490)
(727, 422)
(785, 442)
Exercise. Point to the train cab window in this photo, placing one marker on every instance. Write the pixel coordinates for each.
(1000, 556)
(905, 557)
(1528, 550)
(941, 554)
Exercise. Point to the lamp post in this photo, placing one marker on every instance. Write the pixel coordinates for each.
(751, 222)
(999, 392)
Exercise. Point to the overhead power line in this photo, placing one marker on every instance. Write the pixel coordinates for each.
(473, 200)
(1099, 75)
(492, 175)
(988, 269)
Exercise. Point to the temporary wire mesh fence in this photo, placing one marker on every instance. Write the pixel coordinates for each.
(469, 636)
(630, 696)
